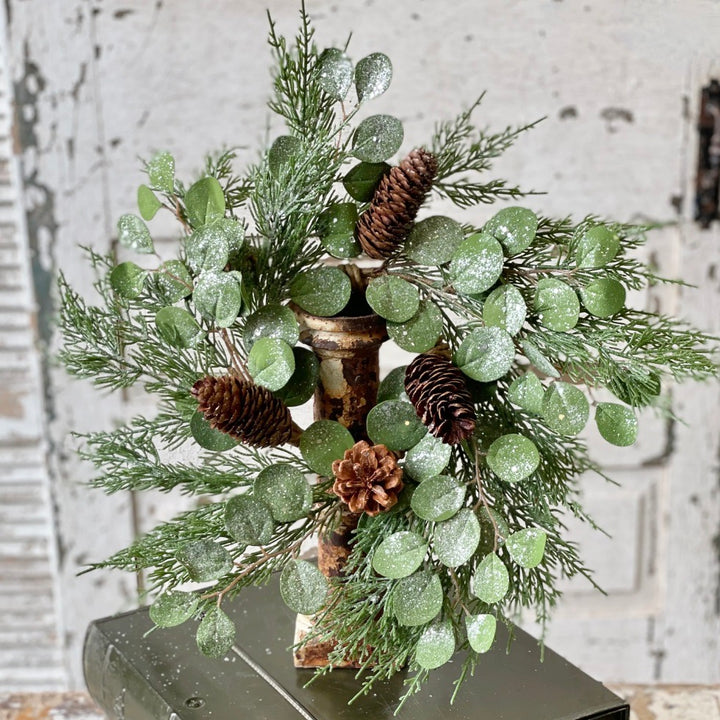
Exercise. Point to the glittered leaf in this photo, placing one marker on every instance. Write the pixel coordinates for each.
(597, 247)
(427, 459)
(173, 608)
(438, 498)
(514, 228)
(134, 234)
(271, 362)
(161, 171)
(148, 204)
(303, 587)
(616, 423)
(393, 298)
(249, 520)
(324, 291)
(455, 540)
(395, 424)
(335, 73)
(207, 248)
(526, 547)
(324, 442)
(218, 296)
(363, 178)
(480, 631)
(556, 304)
(215, 633)
(476, 264)
(204, 202)
(491, 581)
(208, 437)
(336, 230)
(178, 327)
(417, 599)
(505, 307)
(565, 409)
(173, 281)
(282, 152)
(603, 297)
(285, 490)
(420, 332)
(399, 554)
(434, 240)
(513, 457)
(128, 280)
(204, 560)
(392, 386)
(527, 392)
(301, 386)
(536, 358)
(486, 354)
(372, 76)
(272, 321)
(377, 138)
(436, 645)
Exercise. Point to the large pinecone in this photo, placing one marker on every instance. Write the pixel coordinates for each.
(250, 413)
(441, 398)
(368, 478)
(397, 199)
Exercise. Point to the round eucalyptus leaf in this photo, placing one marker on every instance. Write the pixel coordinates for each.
(362, 180)
(527, 547)
(178, 327)
(204, 202)
(604, 297)
(301, 386)
(161, 171)
(597, 247)
(420, 332)
(303, 587)
(392, 386)
(513, 457)
(324, 442)
(395, 424)
(399, 554)
(616, 423)
(215, 634)
(271, 321)
(336, 230)
(377, 138)
(133, 233)
(427, 459)
(514, 228)
(218, 296)
(204, 560)
(148, 204)
(128, 280)
(323, 291)
(434, 240)
(438, 498)
(417, 599)
(285, 490)
(565, 409)
(372, 76)
(249, 520)
(436, 645)
(476, 264)
(283, 152)
(536, 358)
(455, 540)
(207, 248)
(335, 73)
(271, 362)
(491, 580)
(480, 631)
(486, 354)
(173, 608)
(392, 298)
(527, 392)
(556, 304)
(173, 281)
(208, 437)
(505, 307)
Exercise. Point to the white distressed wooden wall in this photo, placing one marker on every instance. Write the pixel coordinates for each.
(98, 83)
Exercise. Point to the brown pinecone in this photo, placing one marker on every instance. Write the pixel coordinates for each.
(441, 398)
(368, 478)
(397, 199)
(250, 413)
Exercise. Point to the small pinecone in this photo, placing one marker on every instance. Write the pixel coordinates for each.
(397, 199)
(441, 398)
(368, 478)
(250, 413)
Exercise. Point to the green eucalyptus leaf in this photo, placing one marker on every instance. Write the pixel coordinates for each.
(427, 459)
(335, 73)
(215, 633)
(420, 332)
(565, 409)
(480, 631)
(208, 437)
(271, 362)
(514, 228)
(372, 76)
(596, 247)
(536, 358)
(491, 580)
(556, 304)
(513, 457)
(323, 291)
(455, 540)
(417, 599)
(436, 645)
(527, 547)
(204, 560)
(395, 424)
(204, 202)
(505, 307)
(392, 298)
(616, 423)
(392, 386)
(303, 587)
(486, 354)
(207, 248)
(603, 297)
(249, 520)
(173, 281)
(271, 321)
(301, 386)
(133, 233)
(128, 280)
(173, 608)
(218, 296)
(438, 498)
(282, 154)
(161, 172)
(363, 178)
(476, 264)
(285, 490)
(178, 327)
(336, 230)
(148, 204)
(324, 442)
(527, 392)
(377, 138)
(434, 240)
(399, 554)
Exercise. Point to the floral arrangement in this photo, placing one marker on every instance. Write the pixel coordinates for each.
(452, 486)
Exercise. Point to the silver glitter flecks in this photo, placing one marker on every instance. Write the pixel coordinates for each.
(372, 76)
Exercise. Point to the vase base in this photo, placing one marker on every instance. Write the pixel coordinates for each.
(315, 652)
